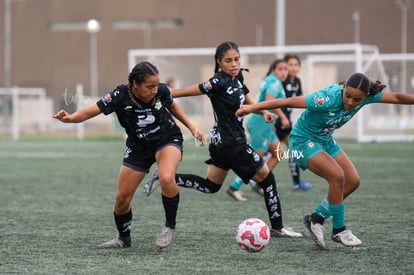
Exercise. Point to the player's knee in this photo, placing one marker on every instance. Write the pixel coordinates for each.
(354, 184)
(122, 202)
(166, 179)
(337, 179)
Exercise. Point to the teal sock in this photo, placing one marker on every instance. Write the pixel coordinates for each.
(323, 209)
(338, 215)
(237, 183)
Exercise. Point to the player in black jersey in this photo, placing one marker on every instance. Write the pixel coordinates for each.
(144, 109)
(228, 146)
(292, 87)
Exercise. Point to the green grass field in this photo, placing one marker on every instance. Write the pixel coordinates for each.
(56, 204)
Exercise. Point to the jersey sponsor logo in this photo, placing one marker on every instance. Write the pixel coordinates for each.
(207, 85)
(127, 152)
(310, 144)
(106, 99)
(229, 90)
(320, 101)
(145, 134)
(158, 105)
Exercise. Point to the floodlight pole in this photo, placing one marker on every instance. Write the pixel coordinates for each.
(93, 27)
(404, 4)
(280, 24)
(357, 26)
(7, 54)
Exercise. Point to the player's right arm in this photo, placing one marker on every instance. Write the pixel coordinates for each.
(78, 116)
(189, 91)
(292, 102)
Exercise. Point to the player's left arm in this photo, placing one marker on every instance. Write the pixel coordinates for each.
(178, 113)
(397, 98)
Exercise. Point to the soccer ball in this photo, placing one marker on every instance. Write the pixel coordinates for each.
(253, 235)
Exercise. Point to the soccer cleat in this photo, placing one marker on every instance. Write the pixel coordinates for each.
(117, 243)
(301, 186)
(346, 238)
(285, 232)
(316, 230)
(151, 184)
(259, 190)
(235, 194)
(164, 239)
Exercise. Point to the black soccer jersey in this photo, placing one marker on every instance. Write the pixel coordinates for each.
(145, 124)
(291, 90)
(226, 96)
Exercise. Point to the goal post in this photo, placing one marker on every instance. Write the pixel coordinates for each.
(24, 108)
(321, 65)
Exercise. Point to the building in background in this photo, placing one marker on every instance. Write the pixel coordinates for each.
(59, 60)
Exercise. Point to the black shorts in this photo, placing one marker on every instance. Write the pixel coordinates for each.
(282, 133)
(141, 158)
(241, 158)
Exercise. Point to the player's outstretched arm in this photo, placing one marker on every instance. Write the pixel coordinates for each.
(78, 116)
(397, 98)
(189, 91)
(292, 102)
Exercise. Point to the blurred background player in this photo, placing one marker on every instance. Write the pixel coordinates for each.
(262, 135)
(292, 87)
(144, 108)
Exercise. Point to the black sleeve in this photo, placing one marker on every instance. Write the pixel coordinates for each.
(109, 102)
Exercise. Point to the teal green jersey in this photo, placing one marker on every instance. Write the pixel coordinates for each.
(325, 113)
(270, 85)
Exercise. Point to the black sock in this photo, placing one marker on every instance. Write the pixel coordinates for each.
(318, 219)
(337, 230)
(123, 224)
(272, 201)
(196, 182)
(294, 171)
(170, 208)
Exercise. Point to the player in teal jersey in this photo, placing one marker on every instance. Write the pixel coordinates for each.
(312, 145)
(263, 138)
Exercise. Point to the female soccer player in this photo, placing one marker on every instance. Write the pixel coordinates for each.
(228, 147)
(144, 109)
(262, 136)
(317, 150)
(292, 87)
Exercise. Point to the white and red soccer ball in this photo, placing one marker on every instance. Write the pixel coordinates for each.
(253, 235)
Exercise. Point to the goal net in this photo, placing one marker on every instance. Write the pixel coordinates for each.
(321, 65)
(24, 111)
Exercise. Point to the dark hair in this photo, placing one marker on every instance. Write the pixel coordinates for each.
(141, 71)
(288, 57)
(220, 51)
(361, 81)
(274, 64)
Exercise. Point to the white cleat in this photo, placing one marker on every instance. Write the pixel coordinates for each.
(346, 238)
(151, 184)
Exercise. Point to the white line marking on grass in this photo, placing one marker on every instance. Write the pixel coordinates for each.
(46, 155)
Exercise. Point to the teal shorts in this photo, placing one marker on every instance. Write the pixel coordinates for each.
(302, 150)
(261, 136)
